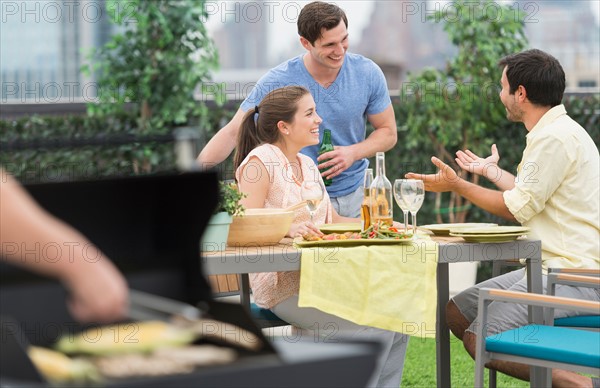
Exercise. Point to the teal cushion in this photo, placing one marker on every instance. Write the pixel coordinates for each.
(263, 314)
(579, 347)
(579, 321)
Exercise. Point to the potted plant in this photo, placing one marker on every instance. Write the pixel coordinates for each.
(215, 235)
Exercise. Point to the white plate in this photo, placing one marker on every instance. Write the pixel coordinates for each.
(491, 230)
(444, 229)
(488, 238)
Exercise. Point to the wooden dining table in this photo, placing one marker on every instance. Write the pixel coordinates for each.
(285, 257)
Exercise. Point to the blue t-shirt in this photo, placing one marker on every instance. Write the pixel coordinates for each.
(359, 90)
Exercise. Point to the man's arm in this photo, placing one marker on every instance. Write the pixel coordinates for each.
(383, 138)
(98, 290)
(487, 199)
(487, 167)
(447, 180)
(222, 143)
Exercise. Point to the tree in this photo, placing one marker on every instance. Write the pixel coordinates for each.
(458, 107)
(157, 60)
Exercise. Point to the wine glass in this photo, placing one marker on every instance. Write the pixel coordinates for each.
(403, 206)
(412, 192)
(312, 192)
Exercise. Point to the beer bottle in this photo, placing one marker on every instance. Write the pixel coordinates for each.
(326, 146)
(365, 208)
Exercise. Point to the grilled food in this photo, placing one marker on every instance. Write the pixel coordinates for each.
(165, 361)
(59, 368)
(136, 337)
(224, 332)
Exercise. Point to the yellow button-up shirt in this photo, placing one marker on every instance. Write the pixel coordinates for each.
(557, 192)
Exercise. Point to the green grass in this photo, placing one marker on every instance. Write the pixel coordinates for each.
(419, 367)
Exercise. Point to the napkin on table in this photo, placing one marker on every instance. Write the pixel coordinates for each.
(391, 287)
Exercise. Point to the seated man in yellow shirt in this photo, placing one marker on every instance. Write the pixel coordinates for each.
(556, 193)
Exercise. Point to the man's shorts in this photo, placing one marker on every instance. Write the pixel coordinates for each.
(349, 204)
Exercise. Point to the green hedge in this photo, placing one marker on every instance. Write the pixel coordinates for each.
(39, 165)
(88, 162)
(42, 164)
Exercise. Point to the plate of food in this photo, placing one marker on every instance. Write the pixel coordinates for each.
(341, 227)
(444, 229)
(374, 235)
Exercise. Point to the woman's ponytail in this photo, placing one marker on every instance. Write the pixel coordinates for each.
(248, 138)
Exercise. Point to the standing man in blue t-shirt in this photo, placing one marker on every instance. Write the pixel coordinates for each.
(347, 89)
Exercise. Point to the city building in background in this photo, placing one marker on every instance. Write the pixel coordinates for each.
(241, 35)
(400, 41)
(411, 44)
(44, 43)
(569, 31)
(242, 40)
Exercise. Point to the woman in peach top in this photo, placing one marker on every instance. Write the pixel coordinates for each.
(270, 170)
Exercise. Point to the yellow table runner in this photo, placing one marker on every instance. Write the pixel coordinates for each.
(391, 287)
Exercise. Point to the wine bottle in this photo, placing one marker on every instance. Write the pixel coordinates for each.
(365, 209)
(326, 146)
(381, 194)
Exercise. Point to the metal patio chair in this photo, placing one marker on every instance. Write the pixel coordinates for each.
(546, 346)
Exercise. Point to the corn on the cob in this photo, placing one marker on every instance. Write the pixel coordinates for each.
(59, 368)
(135, 337)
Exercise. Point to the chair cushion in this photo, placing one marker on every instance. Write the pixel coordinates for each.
(572, 346)
(263, 314)
(579, 321)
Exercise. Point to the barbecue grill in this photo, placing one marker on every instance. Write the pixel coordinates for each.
(150, 226)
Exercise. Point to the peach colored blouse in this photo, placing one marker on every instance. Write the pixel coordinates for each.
(271, 288)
